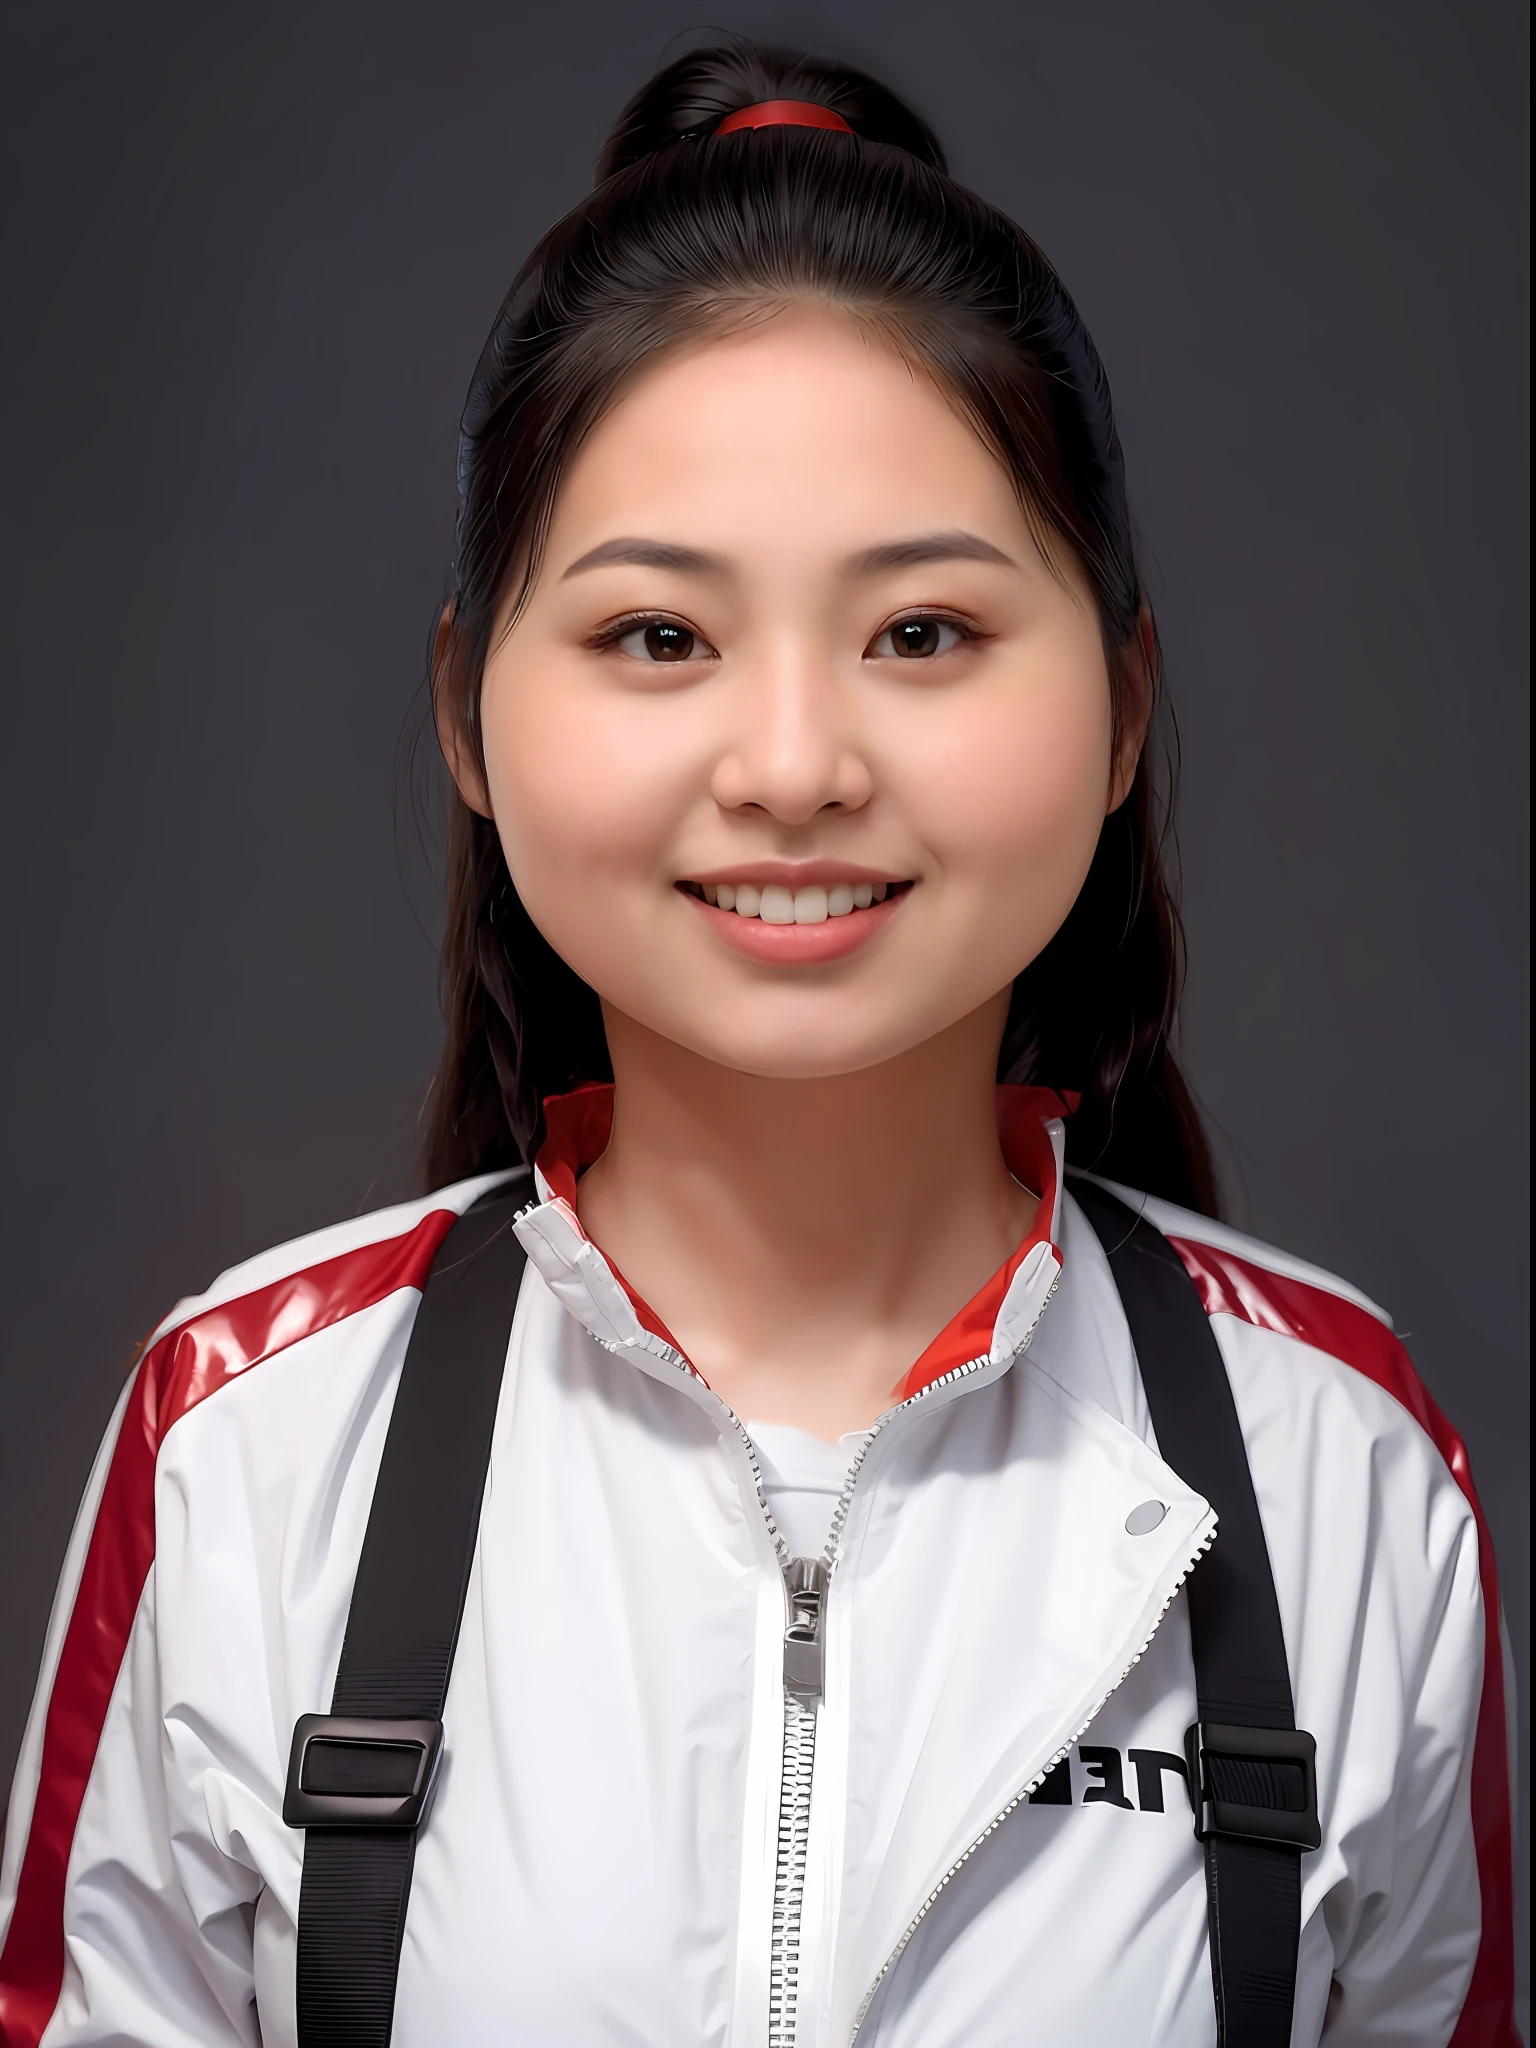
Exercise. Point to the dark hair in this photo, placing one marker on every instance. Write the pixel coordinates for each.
(684, 232)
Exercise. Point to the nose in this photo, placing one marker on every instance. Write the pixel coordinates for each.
(794, 746)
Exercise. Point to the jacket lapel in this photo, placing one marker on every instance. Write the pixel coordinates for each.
(990, 1599)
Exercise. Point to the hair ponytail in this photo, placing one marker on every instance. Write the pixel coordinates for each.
(682, 232)
(688, 101)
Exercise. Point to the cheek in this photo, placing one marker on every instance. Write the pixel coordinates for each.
(586, 796)
(1017, 805)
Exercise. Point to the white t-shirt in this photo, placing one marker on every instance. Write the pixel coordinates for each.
(803, 1476)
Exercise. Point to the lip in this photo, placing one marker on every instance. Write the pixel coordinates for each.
(798, 945)
(796, 874)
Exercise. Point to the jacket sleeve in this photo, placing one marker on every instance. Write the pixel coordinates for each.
(1390, 1594)
(1405, 1946)
(120, 1920)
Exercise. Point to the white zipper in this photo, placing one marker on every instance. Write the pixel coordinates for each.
(806, 1584)
(1033, 1786)
(789, 1870)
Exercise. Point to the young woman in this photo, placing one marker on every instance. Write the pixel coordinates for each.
(825, 1663)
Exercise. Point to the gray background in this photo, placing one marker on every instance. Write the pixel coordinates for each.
(248, 265)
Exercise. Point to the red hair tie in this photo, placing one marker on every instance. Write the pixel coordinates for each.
(784, 114)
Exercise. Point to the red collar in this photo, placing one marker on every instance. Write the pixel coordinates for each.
(577, 1128)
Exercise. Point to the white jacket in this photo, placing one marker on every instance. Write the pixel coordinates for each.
(601, 1862)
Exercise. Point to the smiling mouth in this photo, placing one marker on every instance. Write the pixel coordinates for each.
(774, 904)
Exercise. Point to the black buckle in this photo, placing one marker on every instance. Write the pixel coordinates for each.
(1254, 1784)
(347, 1773)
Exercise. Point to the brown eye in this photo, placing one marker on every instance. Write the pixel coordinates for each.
(915, 637)
(659, 640)
(918, 639)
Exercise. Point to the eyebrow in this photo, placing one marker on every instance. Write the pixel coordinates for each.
(956, 546)
(648, 554)
(929, 547)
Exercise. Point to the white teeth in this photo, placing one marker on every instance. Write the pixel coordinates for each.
(775, 904)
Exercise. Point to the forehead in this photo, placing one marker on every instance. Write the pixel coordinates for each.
(805, 425)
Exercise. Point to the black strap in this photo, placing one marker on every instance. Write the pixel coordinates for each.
(1255, 1794)
(371, 1760)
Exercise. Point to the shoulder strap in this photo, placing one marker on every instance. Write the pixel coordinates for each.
(359, 1778)
(1252, 1773)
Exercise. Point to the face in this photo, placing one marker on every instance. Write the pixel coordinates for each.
(800, 748)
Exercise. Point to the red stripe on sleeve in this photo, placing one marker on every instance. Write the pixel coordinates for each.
(1271, 1301)
(187, 1365)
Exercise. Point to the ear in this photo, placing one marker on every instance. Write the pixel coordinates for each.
(1138, 682)
(448, 715)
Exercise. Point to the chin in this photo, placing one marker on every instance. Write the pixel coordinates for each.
(802, 1055)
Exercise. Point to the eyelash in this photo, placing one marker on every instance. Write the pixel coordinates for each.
(632, 622)
(616, 629)
(966, 628)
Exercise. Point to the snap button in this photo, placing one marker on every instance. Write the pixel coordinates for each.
(1143, 1520)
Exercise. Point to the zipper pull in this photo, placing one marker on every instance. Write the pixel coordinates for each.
(806, 1581)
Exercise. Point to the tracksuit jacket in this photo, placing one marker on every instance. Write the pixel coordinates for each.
(982, 1835)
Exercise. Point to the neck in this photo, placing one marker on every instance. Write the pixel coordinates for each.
(805, 1240)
